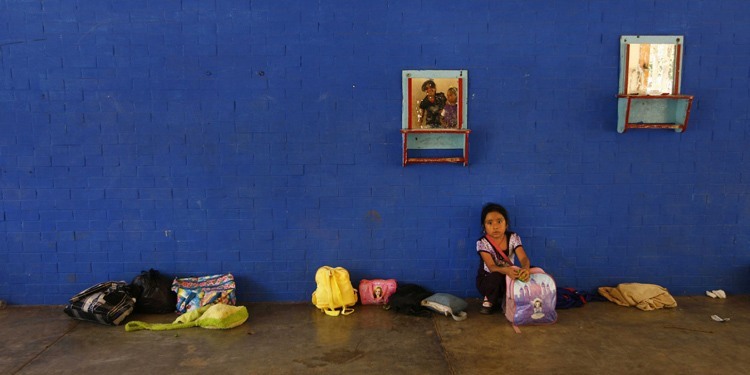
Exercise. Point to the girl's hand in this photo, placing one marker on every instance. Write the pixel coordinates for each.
(517, 274)
(523, 275)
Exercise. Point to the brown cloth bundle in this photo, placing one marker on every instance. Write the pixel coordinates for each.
(643, 296)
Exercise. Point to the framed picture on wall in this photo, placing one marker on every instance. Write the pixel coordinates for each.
(434, 99)
(434, 127)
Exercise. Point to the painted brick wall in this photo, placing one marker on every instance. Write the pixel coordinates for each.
(262, 138)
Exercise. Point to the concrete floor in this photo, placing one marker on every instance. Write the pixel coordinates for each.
(600, 337)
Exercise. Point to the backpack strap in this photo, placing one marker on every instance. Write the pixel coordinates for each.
(497, 248)
(460, 316)
(337, 291)
(336, 295)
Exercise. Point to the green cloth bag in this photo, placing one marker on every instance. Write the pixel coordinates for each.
(217, 316)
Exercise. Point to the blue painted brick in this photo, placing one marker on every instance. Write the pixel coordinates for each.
(311, 146)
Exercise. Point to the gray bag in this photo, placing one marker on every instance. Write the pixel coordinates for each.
(447, 304)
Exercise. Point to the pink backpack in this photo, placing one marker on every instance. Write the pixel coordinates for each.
(532, 302)
(377, 291)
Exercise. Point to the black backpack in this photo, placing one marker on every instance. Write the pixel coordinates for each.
(408, 300)
(153, 293)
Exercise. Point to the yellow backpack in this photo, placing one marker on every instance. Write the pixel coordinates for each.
(334, 291)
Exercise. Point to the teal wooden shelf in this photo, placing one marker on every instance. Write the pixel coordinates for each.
(435, 139)
(653, 112)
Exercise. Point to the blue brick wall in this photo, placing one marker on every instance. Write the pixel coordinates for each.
(262, 138)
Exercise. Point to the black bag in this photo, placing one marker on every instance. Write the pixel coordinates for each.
(153, 293)
(108, 303)
(408, 300)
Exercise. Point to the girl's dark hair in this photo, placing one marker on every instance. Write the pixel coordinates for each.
(494, 207)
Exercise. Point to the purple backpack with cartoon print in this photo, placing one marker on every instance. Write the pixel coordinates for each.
(532, 302)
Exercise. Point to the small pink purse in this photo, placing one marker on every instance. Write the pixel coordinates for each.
(376, 291)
